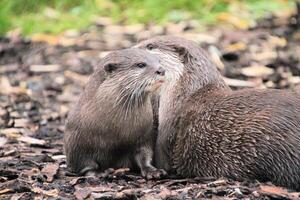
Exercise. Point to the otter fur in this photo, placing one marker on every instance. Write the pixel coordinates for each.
(206, 129)
(111, 125)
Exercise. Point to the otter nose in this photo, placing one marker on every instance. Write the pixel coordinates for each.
(160, 71)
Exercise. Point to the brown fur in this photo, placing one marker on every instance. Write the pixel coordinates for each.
(205, 129)
(111, 124)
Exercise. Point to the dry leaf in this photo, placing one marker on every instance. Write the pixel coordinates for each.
(76, 77)
(6, 190)
(51, 193)
(238, 83)
(238, 46)
(2, 141)
(165, 193)
(12, 132)
(6, 87)
(31, 140)
(82, 193)
(50, 39)
(257, 71)
(266, 55)
(45, 68)
(273, 190)
(236, 21)
(50, 170)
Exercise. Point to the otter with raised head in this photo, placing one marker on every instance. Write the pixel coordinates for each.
(206, 129)
(111, 124)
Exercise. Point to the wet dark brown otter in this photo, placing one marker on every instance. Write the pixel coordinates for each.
(111, 124)
(205, 129)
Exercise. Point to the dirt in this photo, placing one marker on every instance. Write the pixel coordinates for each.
(43, 75)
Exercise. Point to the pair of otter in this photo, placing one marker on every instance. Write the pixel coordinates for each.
(205, 128)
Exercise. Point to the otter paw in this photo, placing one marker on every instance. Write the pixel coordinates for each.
(154, 174)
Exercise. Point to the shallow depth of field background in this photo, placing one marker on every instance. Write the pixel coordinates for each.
(55, 16)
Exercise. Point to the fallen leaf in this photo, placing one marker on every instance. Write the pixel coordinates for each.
(277, 41)
(273, 190)
(217, 183)
(266, 55)
(12, 132)
(6, 190)
(200, 37)
(17, 196)
(45, 68)
(257, 71)
(50, 170)
(133, 29)
(238, 46)
(2, 141)
(238, 83)
(19, 123)
(215, 55)
(105, 195)
(6, 87)
(82, 193)
(51, 193)
(165, 193)
(81, 79)
(31, 140)
(76, 180)
(50, 39)
(121, 171)
(235, 21)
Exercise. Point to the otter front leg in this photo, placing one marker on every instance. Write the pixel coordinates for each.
(143, 158)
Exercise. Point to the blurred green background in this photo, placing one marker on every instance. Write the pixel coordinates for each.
(55, 16)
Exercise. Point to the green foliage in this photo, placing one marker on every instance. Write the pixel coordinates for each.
(55, 16)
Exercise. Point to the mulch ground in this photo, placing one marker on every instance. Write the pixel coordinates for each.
(41, 77)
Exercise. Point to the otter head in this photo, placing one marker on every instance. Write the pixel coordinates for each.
(183, 58)
(132, 74)
(173, 52)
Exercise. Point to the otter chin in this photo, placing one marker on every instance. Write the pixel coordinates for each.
(206, 129)
(111, 125)
(155, 85)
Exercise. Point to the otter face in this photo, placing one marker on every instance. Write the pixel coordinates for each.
(170, 50)
(134, 72)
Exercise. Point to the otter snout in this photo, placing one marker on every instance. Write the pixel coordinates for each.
(161, 71)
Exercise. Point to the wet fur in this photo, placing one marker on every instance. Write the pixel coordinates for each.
(205, 129)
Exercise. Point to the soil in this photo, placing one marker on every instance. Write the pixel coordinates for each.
(40, 77)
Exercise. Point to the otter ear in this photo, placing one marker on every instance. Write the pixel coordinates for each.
(110, 67)
(183, 53)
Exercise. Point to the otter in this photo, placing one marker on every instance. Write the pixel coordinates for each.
(206, 129)
(111, 125)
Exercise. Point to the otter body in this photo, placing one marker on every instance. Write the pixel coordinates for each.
(111, 124)
(206, 129)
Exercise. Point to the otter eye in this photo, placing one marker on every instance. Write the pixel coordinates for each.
(141, 65)
(150, 46)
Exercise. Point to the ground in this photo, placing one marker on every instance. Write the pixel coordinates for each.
(42, 76)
